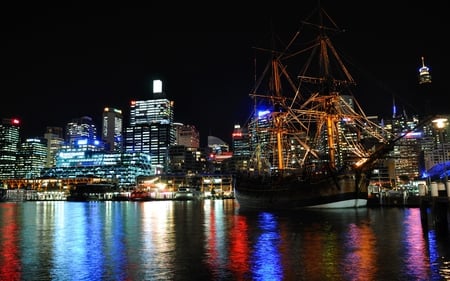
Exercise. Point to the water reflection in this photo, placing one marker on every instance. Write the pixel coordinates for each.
(9, 243)
(266, 260)
(215, 240)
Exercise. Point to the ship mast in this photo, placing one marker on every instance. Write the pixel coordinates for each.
(278, 115)
(330, 84)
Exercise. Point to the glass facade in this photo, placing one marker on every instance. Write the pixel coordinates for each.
(112, 129)
(151, 131)
(9, 146)
(120, 168)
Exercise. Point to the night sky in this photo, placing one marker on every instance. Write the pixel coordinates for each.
(60, 64)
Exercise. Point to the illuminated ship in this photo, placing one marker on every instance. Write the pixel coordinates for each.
(311, 144)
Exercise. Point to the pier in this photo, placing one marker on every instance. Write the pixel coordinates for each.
(433, 201)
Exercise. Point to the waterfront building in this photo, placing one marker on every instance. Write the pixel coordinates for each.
(9, 146)
(55, 140)
(112, 129)
(151, 128)
(119, 168)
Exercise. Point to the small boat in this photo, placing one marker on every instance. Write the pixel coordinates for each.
(187, 193)
(141, 195)
(309, 143)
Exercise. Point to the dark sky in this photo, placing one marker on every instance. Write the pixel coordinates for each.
(60, 64)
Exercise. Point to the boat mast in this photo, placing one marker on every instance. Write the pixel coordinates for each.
(278, 115)
(328, 81)
(330, 84)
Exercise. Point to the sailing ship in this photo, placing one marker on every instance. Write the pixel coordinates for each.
(311, 144)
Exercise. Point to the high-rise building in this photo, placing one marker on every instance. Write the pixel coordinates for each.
(80, 128)
(9, 146)
(55, 140)
(31, 158)
(241, 147)
(82, 133)
(151, 128)
(112, 129)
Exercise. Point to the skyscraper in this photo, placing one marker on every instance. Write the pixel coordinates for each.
(151, 128)
(31, 158)
(112, 129)
(55, 140)
(81, 131)
(9, 146)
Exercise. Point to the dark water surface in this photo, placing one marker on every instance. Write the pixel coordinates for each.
(215, 240)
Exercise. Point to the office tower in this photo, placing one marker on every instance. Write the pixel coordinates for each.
(112, 129)
(9, 146)
(151, 128)
(241, 147)
(55, 140)
(81, 132)
(31, 158)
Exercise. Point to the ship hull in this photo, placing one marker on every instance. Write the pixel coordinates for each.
(331, 192)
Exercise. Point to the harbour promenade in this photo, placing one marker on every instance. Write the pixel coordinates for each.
(147, 188)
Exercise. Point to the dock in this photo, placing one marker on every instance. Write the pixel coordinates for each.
(433, 202)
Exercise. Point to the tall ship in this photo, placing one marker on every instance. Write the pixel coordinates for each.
(311, 145)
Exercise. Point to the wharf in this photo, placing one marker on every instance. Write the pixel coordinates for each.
(394, 199)
(404, 199)
(434, 208)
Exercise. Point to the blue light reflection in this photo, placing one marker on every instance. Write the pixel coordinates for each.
(266, 257)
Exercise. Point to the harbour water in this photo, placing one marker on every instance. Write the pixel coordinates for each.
(216, 240)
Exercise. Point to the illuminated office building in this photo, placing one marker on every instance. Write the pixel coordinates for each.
(9, 146)
(55, 140)
(151, 128)
(112, 129)
(84, 156)
(241, 147)
(31, 158)
(120, 168)
(81, 132)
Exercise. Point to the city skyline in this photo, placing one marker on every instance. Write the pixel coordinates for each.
(63, 64)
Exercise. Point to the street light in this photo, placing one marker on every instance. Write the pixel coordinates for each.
(440, 124)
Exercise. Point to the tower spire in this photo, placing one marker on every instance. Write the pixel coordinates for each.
(424, 73)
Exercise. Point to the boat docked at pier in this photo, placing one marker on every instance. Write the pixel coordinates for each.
(311, 145)
(188, 193)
